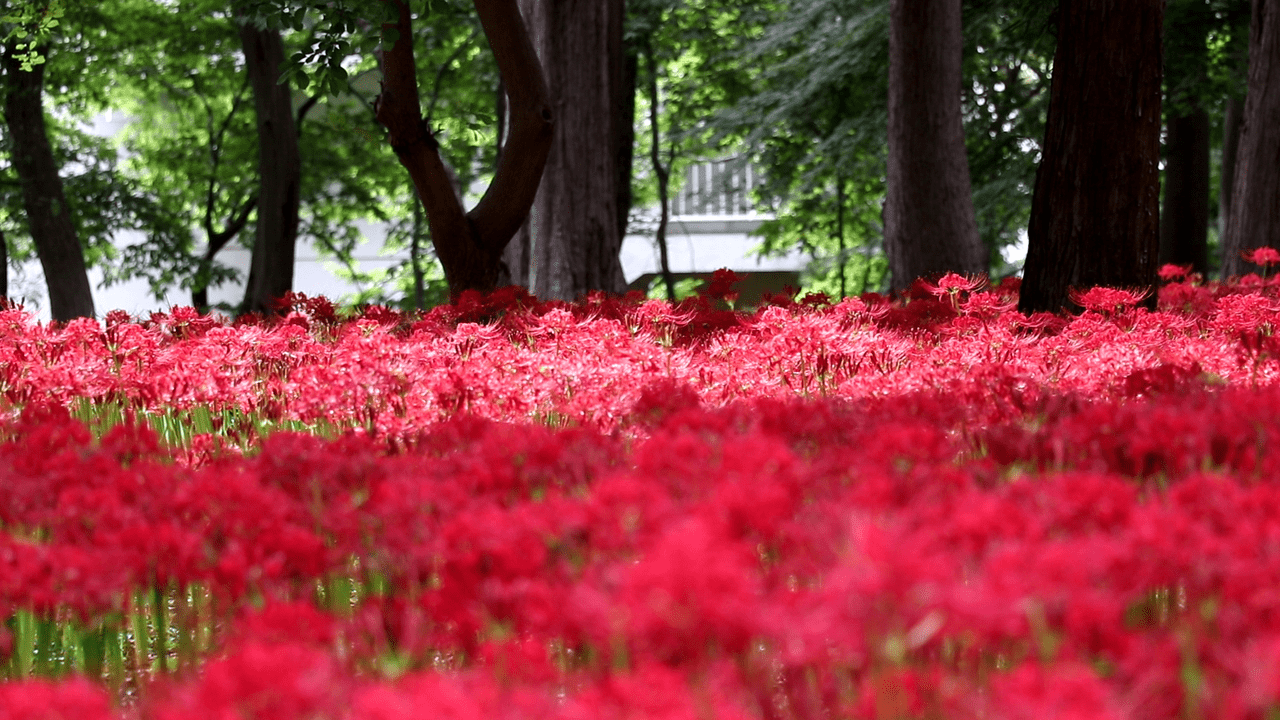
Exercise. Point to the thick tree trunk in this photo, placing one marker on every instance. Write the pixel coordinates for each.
(470, 244)
(928, 212)
(1255, 201)
(1184, 217)
(1231, 123)
(1095, 210)
(576, 231)
(52, 229)
(279, 171)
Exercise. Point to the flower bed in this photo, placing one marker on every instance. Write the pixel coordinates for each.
(623, 509)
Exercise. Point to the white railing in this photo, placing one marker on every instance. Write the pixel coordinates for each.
(716, 188)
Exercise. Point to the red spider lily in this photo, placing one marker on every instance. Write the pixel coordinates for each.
(721, 285)
(42, 699)
(1107, 300)
(828, 510)
(1264, 256)
(1173, 272)
(952, 284)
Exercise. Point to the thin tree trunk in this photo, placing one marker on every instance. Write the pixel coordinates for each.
(415, 258)
(1184, 217)
(470, 244)
(1255, 201)
(840, 258)
(279, 170)
(929, 220)
(625, 127)
(577, 238)
(4, 266)
(514, 266)
(1231, 124)
(1095, 209)
(662, 173)
(48, 215)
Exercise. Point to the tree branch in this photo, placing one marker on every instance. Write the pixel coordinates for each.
(502, 210)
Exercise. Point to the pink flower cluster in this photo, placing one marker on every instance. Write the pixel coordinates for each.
(930, 507)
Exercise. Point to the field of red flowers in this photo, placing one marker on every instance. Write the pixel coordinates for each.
(935, 507)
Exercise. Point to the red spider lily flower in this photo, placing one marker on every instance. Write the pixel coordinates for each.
(1107, 300)
(1170, 271)
(954, 283)
(721, 285)
(1060, 690)
(1264, 256)
(47, 700)
(987, 305)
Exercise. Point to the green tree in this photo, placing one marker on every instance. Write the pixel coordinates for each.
(68, 70)
(814, 116)
(469, 244)
(44, 198)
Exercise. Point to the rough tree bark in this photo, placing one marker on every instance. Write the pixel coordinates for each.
(279, 172)
(577, 234)
(470, 244)
(1255, 202)
(929, 220)
(52, 230)
(1095, 209)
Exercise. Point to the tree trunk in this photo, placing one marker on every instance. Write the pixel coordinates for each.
(1184, 213)
(625, 128)
(928, 212)
(661, 172)
(1255, 201)
(513, 268)
(52, 229)
(279, 171)
(1095, 209)
(576, 231)
(470, 244)
(1231, 123)
(4, 266)
(1184, 217)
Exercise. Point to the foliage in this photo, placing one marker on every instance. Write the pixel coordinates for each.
(814, 122)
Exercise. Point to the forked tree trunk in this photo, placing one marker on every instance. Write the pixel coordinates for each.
(279, 170)
(929, 221)
(1255, 202)
(52, 229)
(577, 236)
(470, 244)
(1095, 210)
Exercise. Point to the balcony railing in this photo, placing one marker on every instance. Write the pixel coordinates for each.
(716, 188)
